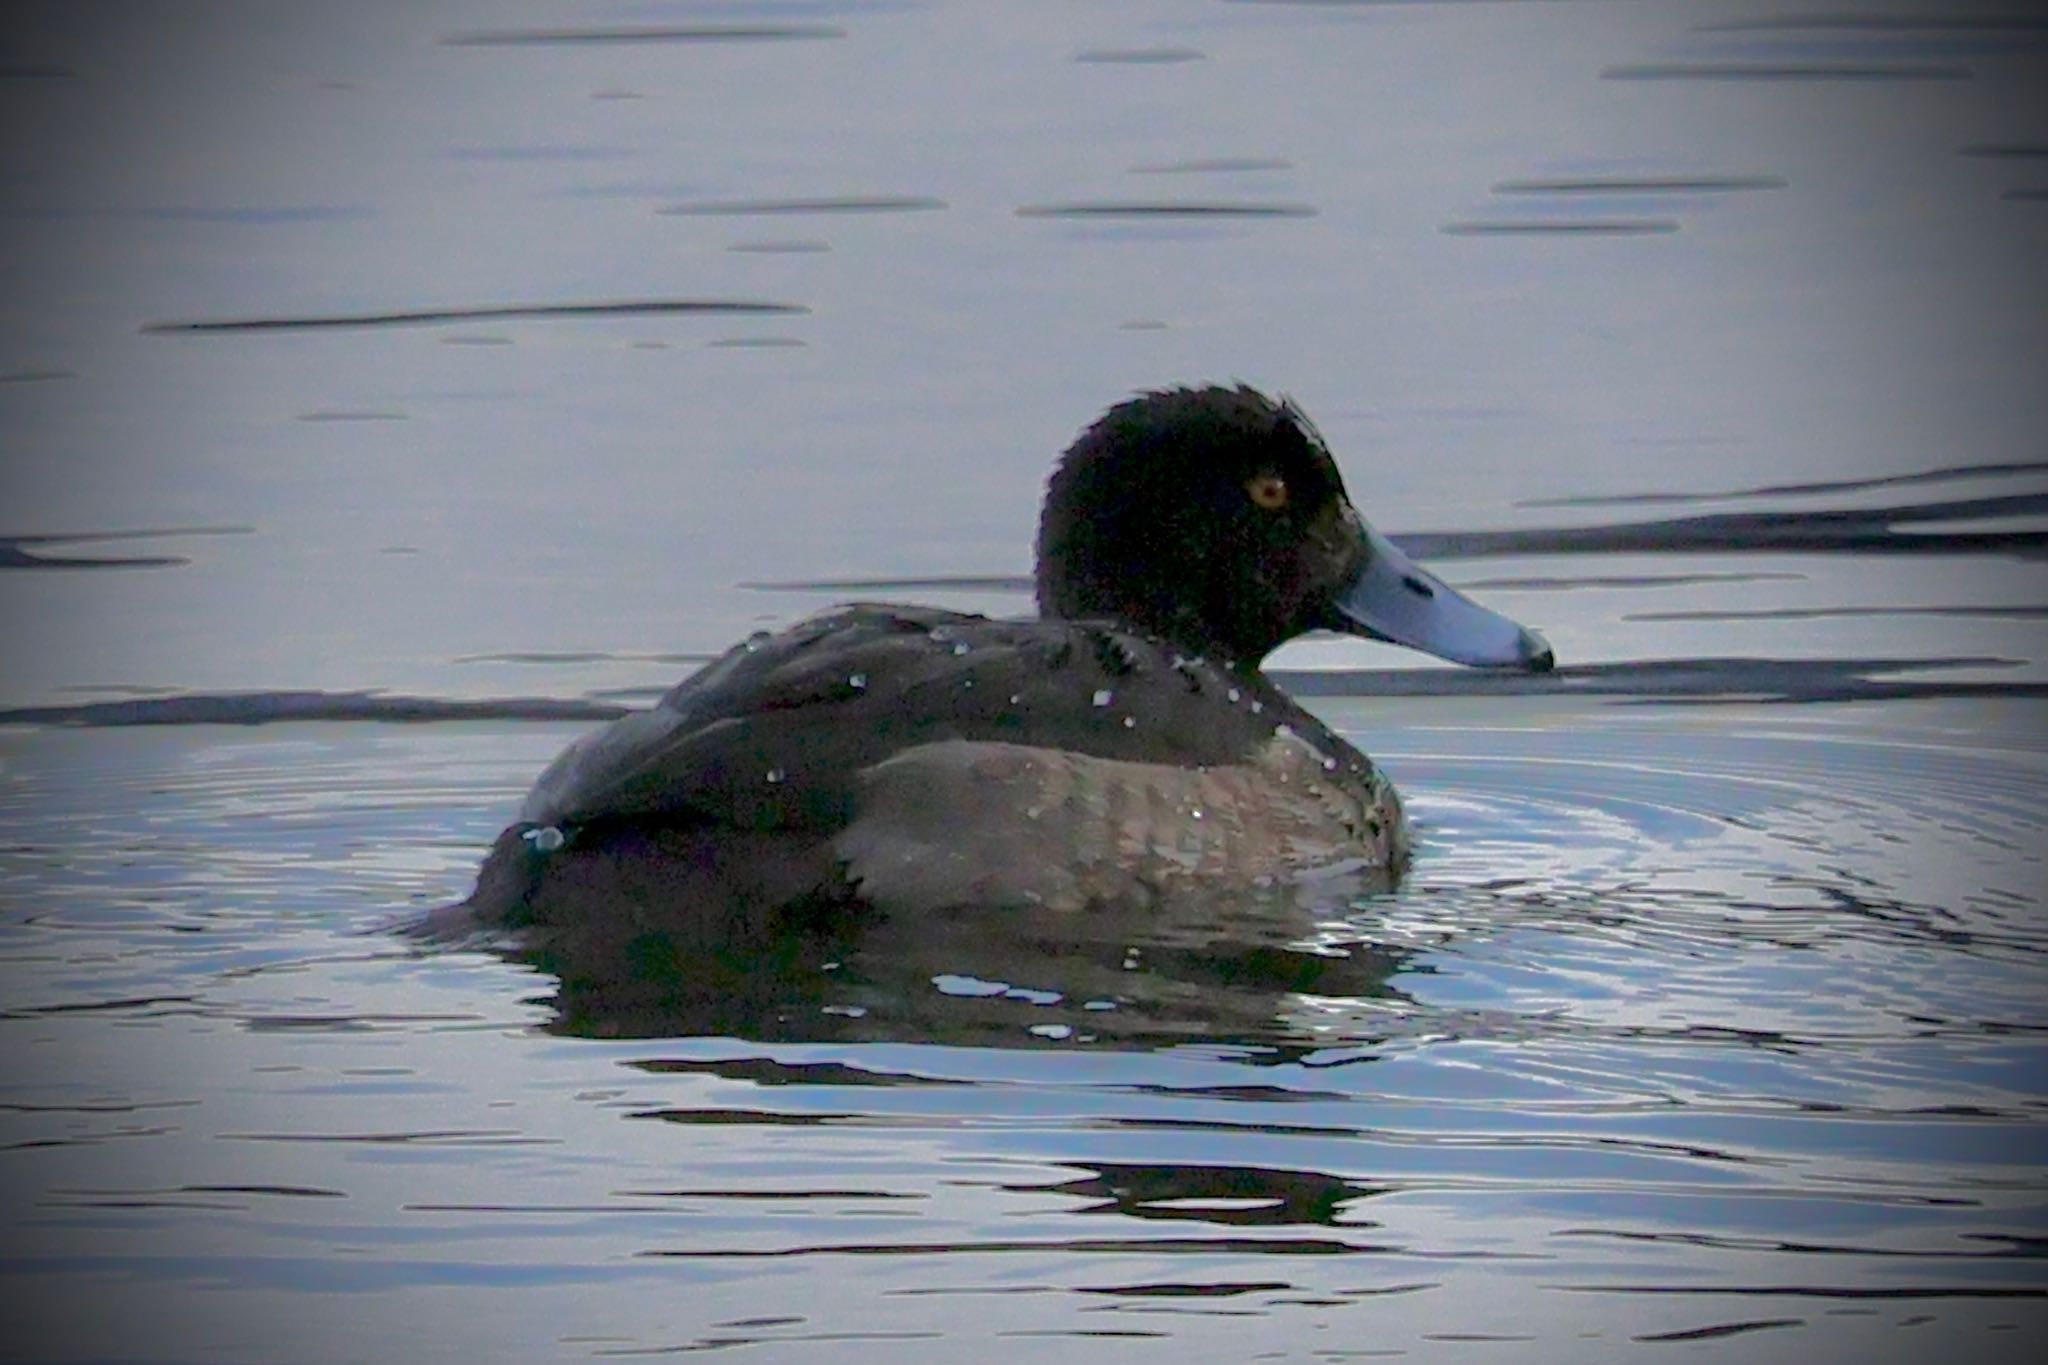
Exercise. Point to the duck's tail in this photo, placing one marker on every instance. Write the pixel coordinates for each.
(501, 898)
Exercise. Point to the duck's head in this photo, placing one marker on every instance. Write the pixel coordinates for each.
(1215, 518)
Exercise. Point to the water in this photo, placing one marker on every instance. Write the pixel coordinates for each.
(1704, 338)
(1691, 1022)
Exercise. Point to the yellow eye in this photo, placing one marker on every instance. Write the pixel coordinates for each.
(1267, 490)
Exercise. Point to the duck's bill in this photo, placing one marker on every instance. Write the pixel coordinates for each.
(1395, 599)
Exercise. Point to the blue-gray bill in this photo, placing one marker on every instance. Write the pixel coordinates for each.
(1395, 599)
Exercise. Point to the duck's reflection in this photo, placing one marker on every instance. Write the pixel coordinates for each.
(1236, 1196)
(1216, 968)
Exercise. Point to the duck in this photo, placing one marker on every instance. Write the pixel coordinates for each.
(1121, 748)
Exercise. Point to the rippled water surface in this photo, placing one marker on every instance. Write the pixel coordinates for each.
(485, 368)
(1691, 1023)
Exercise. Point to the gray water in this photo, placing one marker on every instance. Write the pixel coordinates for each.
(482, 368)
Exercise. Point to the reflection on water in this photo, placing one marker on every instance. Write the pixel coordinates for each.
(15, 554)
(2008, 468)
(1688, 1023)
(667, 33)
(431, 317)
(1162, 208)
(866, 203)
(1887, 530)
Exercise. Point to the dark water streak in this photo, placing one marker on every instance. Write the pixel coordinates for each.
(14, 553)
(671, 33)
(1871, 530)
(1167, 208)
(427, 317)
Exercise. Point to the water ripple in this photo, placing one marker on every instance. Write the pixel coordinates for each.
(428, 317)
(1167, 208)
(671, 33)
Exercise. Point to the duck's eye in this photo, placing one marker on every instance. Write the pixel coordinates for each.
(1267, 490)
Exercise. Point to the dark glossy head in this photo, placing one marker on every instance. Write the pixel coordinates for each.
(1215, 518)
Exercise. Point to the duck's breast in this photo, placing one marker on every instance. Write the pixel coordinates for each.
(977, 823)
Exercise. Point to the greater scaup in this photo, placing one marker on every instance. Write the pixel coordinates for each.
(1121, 748)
